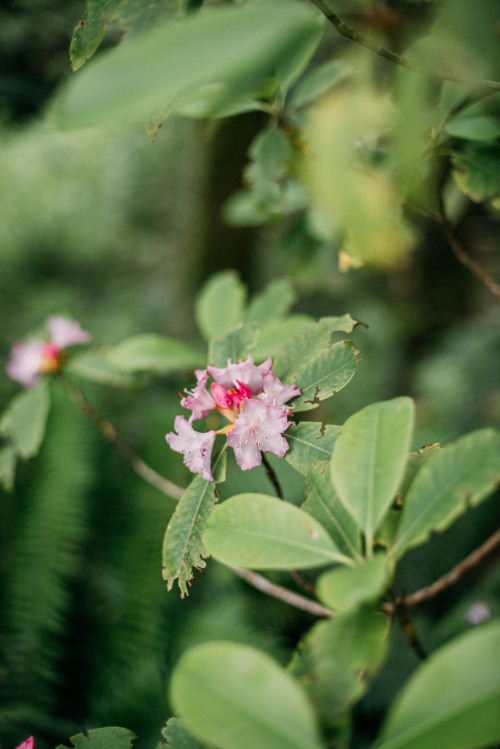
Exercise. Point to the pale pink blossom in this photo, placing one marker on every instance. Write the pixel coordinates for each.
(245, 372)
(195, 446)
(199, 399)
(258, 429)
(65, 332)
(29, 360)
(275, 392)
(28, 744)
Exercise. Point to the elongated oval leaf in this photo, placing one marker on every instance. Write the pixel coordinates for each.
(369, 459)
(345, 589)
(220, 306)
(233, 45)
(274, 301)
(182, 546)
(260, 532)
(153, 353)
(310, 441)
(96, 367)
(459, 475)
(25, 420)
(452, 701)
(236, 697)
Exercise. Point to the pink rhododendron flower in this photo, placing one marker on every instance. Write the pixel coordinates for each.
(28, 744)
(196, 446)
(258, 429)
(30, 360)
(199, 399)
(255, 424)
(245, 372)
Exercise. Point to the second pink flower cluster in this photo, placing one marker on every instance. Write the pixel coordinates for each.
(254, 402)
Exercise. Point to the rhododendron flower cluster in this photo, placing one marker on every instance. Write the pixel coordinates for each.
(28, 361)
(254, 402)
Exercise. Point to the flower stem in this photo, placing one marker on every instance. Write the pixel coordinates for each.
(271, 476)
(111, 435)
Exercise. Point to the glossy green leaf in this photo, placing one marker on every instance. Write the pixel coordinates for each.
(25, 419)
(346, 589)
(317, 364)
(153, 353)
(111, 737)
(319, 81)
(274, 301)
(309, 441)
(452, 479)
(220, 306)
(183, 549)
(476, 170)
(336, 657)
(452, 700)
(324, 504)
(260, 532)
(474, 123)
(236, 697)
(89, 33)
(96, 367)
(234, 345)
(237, 45)
(8, 461)
(178, 737)
(369, 459)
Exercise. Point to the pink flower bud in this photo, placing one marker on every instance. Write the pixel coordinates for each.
(221, 396)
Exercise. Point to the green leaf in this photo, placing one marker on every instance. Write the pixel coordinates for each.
(452, 479)
(477, 171)
(474, 123)
(153, 353)
(346, 589)
(7, 467)
(309, 441)
(319, 81)
(274, 301)
(260, 532)
(178, 737)
(335, 658)
(274, 332)
(233, 345)
(237, 45)
(369, 459)
(182, 546)
(96, 367)
(294, 63)
(324, 504)
(25, 420)
(236, 697)
(103, 738)
(315, 363)
(452, 700)
(220, 306)
(88, 34)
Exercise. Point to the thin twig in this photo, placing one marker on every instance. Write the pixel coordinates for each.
(271, 476)
(451, 577)
(466, 260)
(111, 435)
(282, 594)
(356, 36)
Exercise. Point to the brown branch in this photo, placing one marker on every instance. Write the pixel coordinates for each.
(356, 36)
(466, 260)
(111, 435)
(451, 577)
(283, 594)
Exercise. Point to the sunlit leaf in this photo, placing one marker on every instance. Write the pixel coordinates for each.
(323, 503)
(261, 532)
(237, 697)
(369, 459)
(309, 441)
(452, 479)
(346, 589)
(25, 419)
(220, 306)
(103, 738)
(451, 701)
(153, 353)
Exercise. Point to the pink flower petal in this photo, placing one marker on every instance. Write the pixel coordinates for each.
(246, 373)
(221, 396)
(258, 429)
(65, 332)
(195, 446)
(275, 392)
(199, 399)
(28, 744)
(25, 361)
